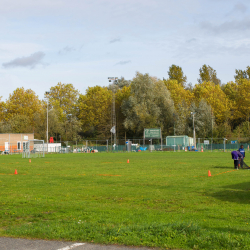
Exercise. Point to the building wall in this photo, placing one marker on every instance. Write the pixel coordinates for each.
(14, 142)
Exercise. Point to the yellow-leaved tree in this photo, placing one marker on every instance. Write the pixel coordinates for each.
(214, 96)
(94, 111)
(122, 94)
(20, 110)
(179, 95)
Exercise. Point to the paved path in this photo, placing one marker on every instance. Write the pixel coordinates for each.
(23, 244)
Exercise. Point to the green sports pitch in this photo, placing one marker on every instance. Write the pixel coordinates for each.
(158, 199)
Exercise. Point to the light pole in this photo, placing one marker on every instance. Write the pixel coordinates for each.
(194, 139)
(47, 98)
(174, 123)
(113, 118)
(70, 125)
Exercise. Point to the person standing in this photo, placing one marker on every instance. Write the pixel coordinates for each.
(242, 151)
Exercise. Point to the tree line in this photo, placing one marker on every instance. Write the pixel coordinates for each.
(221, 110)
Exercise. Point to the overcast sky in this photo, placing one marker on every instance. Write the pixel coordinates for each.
(85, 41)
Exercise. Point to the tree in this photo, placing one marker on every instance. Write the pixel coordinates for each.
(55, 126)
(72, 128)
(242, 100)
(63, 97)
(208, 74)
(203, 119)
(63, 107)
(121, 95)
(242, 74)
(149, 105)
(18, 123)
(94, 111)
(23, 103)
(239, 96)
(215, 97)
(176, 73)
(178, 94)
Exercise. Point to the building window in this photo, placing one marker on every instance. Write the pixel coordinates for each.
(18, 145)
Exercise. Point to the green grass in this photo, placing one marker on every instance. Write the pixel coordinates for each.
(161, 199)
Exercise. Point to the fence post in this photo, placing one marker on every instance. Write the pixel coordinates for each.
(107, 146)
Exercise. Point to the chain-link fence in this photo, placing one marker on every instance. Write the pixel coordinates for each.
(134, 145)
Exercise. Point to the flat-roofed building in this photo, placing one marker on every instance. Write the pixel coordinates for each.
(14, 143)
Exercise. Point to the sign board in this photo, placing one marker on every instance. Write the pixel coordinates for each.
(25, 137)
(233, 142)
(206, 142)
(152, 133)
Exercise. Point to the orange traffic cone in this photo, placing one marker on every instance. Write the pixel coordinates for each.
(209, 173)
(29, 160)
(128, 161)
(15, 171)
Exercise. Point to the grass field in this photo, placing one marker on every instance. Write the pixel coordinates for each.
(161, 199)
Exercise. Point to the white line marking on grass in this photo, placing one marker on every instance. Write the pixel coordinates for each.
(72, 246)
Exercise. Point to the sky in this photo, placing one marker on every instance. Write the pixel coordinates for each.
(83, 42)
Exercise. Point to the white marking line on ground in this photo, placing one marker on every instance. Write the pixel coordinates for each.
(72, 246)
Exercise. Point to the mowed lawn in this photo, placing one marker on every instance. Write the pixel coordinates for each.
(159, 199)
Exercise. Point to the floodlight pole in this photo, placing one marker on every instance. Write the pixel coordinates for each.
(113, 117)
(47, 127)
(194, 139)
(46, 94)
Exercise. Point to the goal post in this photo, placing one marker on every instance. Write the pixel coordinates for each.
(33, 149)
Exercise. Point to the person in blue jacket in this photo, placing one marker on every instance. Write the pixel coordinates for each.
(242, 151)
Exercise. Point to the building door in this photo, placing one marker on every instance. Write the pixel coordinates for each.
(25, 145)
(6, 146)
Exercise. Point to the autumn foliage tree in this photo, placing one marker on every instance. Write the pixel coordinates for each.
(94, 111)
(20, 110)
(215, 97)
(208, 74)
(175, 73)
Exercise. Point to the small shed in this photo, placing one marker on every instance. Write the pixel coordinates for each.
(180, 140)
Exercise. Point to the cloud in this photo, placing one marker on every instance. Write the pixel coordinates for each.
(123, 62)
(229, 26)
(115, 40)
(240, 7)
(65, 50)
(191, 40)
(29, 61)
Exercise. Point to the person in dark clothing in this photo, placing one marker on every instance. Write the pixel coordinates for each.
(242, 151)
(236, 156)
